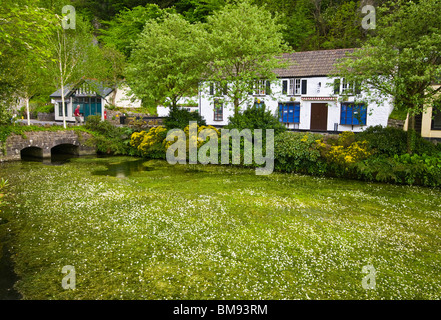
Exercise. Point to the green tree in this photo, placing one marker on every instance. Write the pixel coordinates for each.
(124, 29)
(344, 28)
(198, 10)
(106, 10)
(402, 59)
(167, 61)
(24, 29)
(114, 64)
(179, 118)
(245, 45)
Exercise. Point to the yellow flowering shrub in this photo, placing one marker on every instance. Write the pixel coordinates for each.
(345, 150)
(136, 138)
(354, 152)
(200, 141)
(151, 143)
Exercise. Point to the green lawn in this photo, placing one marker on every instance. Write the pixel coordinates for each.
(214, 232)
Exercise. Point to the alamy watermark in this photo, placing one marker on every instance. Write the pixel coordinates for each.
(69, 19)
(69, 281)
(369, 21)
(209, 151)
(368, 281)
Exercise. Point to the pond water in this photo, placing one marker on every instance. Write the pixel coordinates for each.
(120, 169)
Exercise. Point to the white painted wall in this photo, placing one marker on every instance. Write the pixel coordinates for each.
(123, 99)
(163, 111)
(316, 87)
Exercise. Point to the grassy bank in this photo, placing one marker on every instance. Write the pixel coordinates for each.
(217, 232)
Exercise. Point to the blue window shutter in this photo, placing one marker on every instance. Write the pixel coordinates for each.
(297, 113)
(291, 113)
(363, 114)
(285, 113)
(343, 114)
(304, 86)
(350, 114)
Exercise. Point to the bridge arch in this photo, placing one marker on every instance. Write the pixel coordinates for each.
(31, 152)
(44, 144)
(65, 148)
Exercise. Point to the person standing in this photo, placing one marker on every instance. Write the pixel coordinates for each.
(77, 114)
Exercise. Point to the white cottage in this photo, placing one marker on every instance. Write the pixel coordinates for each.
(305, 97)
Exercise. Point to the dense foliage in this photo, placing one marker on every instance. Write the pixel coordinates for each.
(255, 117)
(297, 152)
(376, 154)
(401, 60)
(108, 138)
(179, 118)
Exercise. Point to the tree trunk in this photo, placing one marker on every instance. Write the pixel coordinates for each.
(62, 105)
(236, 106)
(411, 134)
(27, 111)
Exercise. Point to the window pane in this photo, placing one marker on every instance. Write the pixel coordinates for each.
(436, 114)
(353, 114)
(297, 88)
(284, 87)
(304, 86)
(218, 110)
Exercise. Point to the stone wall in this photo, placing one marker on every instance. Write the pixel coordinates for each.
(44, 140)
(395, 123)
(114, 117)
(46, 116)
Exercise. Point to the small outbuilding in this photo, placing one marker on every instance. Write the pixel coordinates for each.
(92, 97)
(88, 94)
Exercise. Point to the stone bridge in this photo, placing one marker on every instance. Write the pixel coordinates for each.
(44, 144)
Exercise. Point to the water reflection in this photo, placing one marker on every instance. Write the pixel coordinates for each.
(123, 169)
(54, 160)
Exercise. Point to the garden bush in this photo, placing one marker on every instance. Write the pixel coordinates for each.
(255, 118)
(404, 169)
(340, 153)
(179, 118)
(109, 139)
(151, 143)
(298, 152)
(45, 108)
(390, 141)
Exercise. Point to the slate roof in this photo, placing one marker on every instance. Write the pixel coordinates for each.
(69, 89)
(311, 63)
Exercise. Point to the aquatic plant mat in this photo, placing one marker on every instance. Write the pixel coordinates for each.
(156, 231)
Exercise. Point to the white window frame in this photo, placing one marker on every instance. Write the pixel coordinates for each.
(297, 86)
(259, 88)
(347, 88)
(294, 86)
